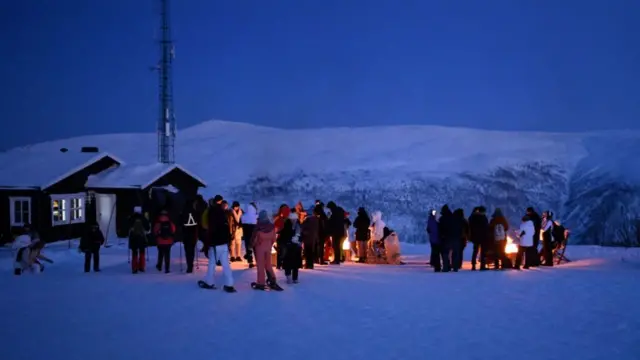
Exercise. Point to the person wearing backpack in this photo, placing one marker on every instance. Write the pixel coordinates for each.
(164, 230)
(498, 227)
(138, 230)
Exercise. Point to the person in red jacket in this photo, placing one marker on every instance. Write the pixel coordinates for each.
(164, 230)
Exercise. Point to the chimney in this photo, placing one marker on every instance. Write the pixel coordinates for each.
(89, 149)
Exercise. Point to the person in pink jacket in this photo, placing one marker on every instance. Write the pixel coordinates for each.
(263, 238)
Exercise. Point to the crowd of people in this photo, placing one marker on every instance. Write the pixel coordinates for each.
(305, 238)
(450, 233)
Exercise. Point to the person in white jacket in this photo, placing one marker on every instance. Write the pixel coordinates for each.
(249, 221)
(377, 234)
(526, 248)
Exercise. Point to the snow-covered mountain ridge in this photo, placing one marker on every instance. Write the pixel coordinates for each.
(590, 180)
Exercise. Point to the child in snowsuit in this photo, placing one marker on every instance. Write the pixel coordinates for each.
(164, 230)
(263, 238)
(90, 244)
(138, 230)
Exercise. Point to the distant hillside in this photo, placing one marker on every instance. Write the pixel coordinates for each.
(590, 181)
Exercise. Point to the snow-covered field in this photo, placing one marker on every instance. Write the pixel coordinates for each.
(587, 309)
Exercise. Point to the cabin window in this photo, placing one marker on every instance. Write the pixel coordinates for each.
(67, 209)
(20, 210)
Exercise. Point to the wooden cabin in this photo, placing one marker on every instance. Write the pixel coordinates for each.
(58, 193)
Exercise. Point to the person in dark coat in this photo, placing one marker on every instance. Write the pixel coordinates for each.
(498, 227)
(537, 223)
(310, 238)
(217, 246)
(291, 240)
(90, 244)
(460, 230)
(546, 230)
(479, 236)
(322, 232)
(447, 233)
(362, 223)
(190, 219)
(337, 231)
(139, 228)
(434, 241)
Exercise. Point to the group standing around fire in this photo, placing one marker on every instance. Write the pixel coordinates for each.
(305, 238)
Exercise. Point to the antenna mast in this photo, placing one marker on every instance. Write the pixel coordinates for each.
(166, 119)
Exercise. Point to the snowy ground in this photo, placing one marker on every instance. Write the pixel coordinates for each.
(584, 310)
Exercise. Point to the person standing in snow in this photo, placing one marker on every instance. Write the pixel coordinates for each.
(139, 228)
(537, 222)
(249, 220)
(498, 226)
(479, 236)
(546, 229)
(362, 224)
(447, 233)
(22, 248)
(434, 241)
(263, 239)
(278, 222)
(164, 231)
(323, 236)
(310, 238)
(377, 233)
(190, 218)
(235, 227)
(525, 247)
(217, 248)
(291, 239)
(460, 229)
(337, 230)
(90, 244)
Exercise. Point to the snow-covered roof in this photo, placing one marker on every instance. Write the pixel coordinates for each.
(134, 176)
(33, 170)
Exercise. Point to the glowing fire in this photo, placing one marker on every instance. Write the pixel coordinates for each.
(511, 247)
(346, 245)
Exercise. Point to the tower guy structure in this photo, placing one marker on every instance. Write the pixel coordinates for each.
(166, 118)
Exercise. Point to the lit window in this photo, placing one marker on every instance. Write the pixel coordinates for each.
(20, 210)
(76, 209)
(59, 210)
(67, 209)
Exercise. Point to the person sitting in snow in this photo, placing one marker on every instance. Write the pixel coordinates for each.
(164, 231)
(391, 246)
(90, 244)
(139, 228)
(22, 251)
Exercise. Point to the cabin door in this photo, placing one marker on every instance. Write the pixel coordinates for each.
(106, 214)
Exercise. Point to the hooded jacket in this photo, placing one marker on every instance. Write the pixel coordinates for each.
(250, 216)
(498, 219)
(378, 225)
(264, 235)
(478, 228)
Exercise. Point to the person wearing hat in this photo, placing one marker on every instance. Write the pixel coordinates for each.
(90, 244)
(235, 228)
(249, 220)
(217, 247)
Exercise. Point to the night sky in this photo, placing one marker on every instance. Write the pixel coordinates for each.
(75, 67)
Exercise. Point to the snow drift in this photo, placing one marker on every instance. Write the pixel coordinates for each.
(589, 180)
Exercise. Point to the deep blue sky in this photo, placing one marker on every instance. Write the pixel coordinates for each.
(74, 67)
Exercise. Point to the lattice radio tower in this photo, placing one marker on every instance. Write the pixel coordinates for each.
(166, 117)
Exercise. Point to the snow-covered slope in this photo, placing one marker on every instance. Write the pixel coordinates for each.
(403, 170)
